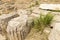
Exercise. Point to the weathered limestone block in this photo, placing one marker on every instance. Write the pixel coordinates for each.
(55, 33)
(4, 21)
(18, 28)
(50, 6)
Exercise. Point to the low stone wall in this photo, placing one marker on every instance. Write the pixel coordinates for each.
(18, 28)
(16, 25)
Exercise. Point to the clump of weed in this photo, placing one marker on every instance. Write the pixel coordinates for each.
(43, 21)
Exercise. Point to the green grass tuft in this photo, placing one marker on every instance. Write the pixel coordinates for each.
(43, 21)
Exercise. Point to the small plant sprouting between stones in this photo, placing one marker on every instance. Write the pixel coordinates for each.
(43, 21)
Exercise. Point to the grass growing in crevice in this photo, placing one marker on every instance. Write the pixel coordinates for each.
(43, 21)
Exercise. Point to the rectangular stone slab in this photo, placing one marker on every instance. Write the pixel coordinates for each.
(50, 6)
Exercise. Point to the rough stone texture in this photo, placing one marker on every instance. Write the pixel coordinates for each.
(55, 33)
(4, 21)
(2, 37)
(18, 28)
